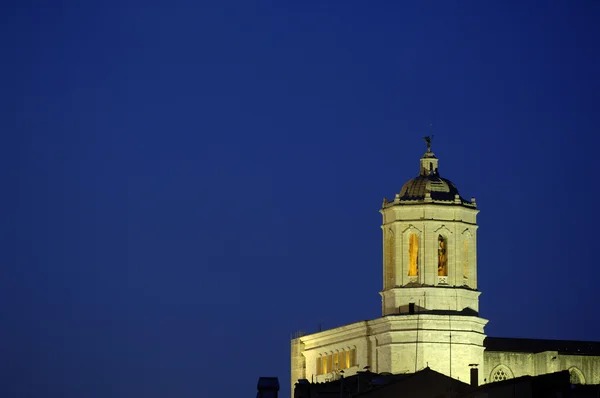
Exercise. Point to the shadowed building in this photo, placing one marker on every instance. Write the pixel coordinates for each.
(550, 385)
(425, 383)
(430, 303)
(428, 383)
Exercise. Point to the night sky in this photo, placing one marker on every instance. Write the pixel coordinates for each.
(185, 184)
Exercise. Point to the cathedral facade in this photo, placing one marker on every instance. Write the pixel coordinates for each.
(430, 303)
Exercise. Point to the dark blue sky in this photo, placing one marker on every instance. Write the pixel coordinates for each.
(187, 183)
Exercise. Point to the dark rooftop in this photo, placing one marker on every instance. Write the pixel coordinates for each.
(440, 188)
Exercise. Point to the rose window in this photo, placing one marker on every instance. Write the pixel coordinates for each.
(500, 375)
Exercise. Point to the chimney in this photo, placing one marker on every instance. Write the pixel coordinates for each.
(268, 387)
(474, 375)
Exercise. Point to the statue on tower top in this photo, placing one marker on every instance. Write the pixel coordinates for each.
(428, 139)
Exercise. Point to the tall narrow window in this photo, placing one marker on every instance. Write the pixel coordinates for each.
(442, 256)
(343, 360)
(319, 367)
(466, 259)
(336, 364)
(413, 255)
(324, 367)
(329, 362)
(389, 259)
(348, 359)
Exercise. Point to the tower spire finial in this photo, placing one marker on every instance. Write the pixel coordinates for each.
(428, 138)
(429, 163)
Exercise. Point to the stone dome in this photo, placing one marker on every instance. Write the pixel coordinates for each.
(439, 188)
(429, 187)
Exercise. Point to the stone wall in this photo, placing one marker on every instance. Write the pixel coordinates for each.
(401, 344)
(516, 364)
(457, 225)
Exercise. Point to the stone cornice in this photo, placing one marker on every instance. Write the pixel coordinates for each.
(430, 202)
(417, 220)
(396, 318)
(353, 330)
(395, 323)
(433, 288)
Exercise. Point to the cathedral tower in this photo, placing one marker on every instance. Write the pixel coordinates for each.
(430, 302)
(429, 245)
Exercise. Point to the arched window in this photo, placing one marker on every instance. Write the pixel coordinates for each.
(413, 255)
(442, 256)
(575, 376)
(466, 258)
(389, 259)
(500, 373)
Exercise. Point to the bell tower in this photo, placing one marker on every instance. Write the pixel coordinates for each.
(430, 301)
(429, 245)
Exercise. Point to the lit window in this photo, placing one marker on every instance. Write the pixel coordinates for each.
(336, 361)
(413, 255)
(442, 256)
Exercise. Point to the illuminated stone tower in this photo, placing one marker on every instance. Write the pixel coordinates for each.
(429, 297)
(430, 246)
(430, 303)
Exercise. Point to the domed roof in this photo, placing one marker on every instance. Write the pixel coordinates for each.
(428, 186)
(438, 187)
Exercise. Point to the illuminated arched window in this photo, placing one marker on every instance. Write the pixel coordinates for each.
(575, 376)
(413, 255)
(343, 359)
(442, 256)
(500, 373)
(348, 359)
